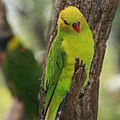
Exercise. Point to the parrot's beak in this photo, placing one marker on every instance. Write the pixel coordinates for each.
(76, 27)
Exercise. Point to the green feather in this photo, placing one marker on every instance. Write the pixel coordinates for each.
(54, 66)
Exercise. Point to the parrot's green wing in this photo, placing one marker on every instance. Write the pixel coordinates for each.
(55, 62)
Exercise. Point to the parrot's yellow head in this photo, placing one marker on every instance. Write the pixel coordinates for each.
(71, 19)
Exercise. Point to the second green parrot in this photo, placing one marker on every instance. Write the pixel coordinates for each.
(22, 72)
(74, 39)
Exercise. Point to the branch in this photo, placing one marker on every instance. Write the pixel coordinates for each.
(69, 106)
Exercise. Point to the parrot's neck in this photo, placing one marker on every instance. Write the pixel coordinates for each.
(13, 44)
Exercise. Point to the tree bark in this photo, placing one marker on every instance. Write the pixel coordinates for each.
(99, 15)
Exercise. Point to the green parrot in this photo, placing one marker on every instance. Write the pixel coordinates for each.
(22, 72)
(74, 39)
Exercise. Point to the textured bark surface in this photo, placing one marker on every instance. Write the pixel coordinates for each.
(42, 100)
(99, 15)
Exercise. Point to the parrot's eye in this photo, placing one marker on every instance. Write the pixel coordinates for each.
(78, 23)
(66, 22)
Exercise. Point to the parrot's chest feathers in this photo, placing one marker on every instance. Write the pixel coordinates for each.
(75, 48)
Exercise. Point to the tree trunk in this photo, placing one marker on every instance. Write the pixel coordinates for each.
(99, 15)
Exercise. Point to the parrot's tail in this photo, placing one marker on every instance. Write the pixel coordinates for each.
(53, 108)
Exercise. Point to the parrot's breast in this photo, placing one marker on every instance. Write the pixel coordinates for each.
(76, 47)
